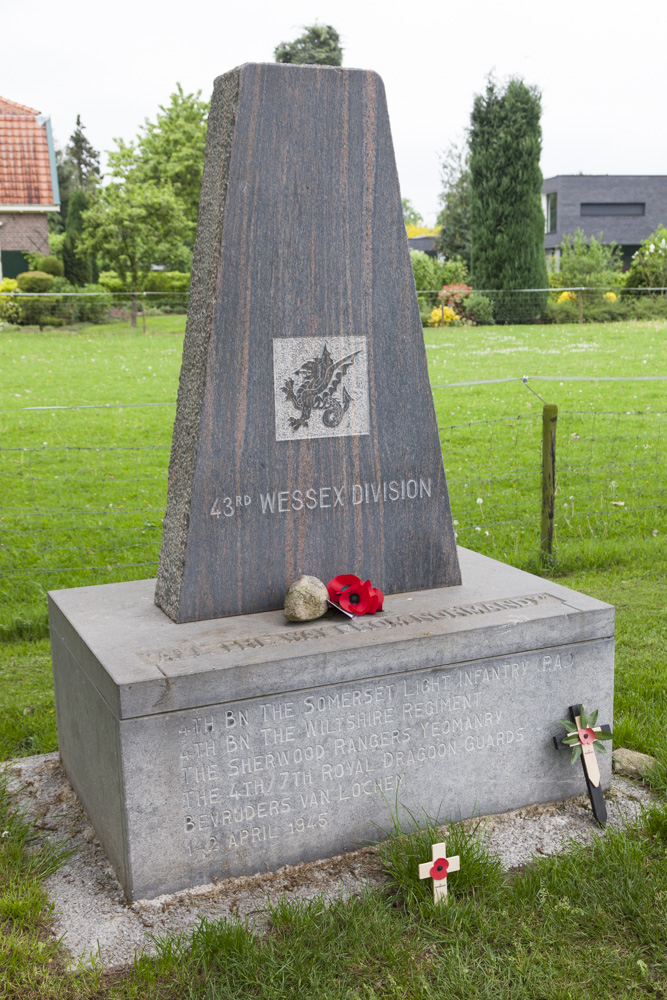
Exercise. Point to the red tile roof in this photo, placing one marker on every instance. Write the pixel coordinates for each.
(25, 170)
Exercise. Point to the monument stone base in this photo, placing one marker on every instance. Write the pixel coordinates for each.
(236, 745)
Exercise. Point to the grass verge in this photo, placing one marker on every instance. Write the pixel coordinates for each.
(588, 923)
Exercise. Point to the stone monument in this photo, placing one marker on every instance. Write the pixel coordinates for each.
(305, 435)
(205, 736)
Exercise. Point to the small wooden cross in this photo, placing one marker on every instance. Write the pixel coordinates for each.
(438, 869)
(589, 763)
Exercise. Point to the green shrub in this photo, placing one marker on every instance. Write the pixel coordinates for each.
(9, 306)
(46, 265)
(93, 308)
(649, 264)
(174, 285)
(587, 263)
(479, 310)
(35, 281)
(424, 270)
(452, 272)
(39, 311)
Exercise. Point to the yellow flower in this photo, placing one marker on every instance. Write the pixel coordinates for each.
(442, 316)
(610, 296)
(567, 297)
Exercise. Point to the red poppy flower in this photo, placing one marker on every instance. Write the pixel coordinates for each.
(339, 584)
(439, 869)
(357, 599)
(378, 599)
(586, 736)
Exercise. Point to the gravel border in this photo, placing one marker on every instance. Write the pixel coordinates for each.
(97, 923)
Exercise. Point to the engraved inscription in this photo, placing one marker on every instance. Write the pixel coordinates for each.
(351, 628)
(293, 768)
(308, 497)
(321, 387)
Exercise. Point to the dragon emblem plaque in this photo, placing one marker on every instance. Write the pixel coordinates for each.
(321, 387)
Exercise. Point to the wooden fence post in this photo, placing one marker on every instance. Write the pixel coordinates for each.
(580, 297)
(549, 418)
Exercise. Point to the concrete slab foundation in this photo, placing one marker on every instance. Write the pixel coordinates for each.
(235, 746)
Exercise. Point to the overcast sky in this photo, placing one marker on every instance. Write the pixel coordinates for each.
(600, 67)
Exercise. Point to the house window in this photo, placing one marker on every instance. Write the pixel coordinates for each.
(613, 208)
(550, 215)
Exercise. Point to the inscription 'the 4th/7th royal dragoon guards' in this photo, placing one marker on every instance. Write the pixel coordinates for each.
(326, 382)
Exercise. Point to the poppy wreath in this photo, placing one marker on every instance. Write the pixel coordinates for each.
(353, 596)
(586, 736)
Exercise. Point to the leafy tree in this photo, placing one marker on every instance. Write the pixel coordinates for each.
(410, 213)
(319, 45)
(507, 222)
(133, 224)
(587, 263)
(455, 198)
(170, 150)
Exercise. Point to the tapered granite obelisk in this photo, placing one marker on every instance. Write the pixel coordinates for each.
(305, 438)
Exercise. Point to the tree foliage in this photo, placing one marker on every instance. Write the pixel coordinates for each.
(411, 216)
(170, 150)
(79, 269)
(649, 263)
(319, 45)
(134, 223)
(507, 222)
(587, 263)
(78, 168)
(455, 198)
(84, 159)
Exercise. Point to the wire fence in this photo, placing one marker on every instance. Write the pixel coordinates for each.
(438, 307)
(79, 513)
(455, 304)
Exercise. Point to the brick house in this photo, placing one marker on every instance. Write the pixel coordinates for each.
(28, 185)
(625, 209)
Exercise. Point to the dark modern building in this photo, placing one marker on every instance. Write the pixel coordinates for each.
(427, 244)
(625, 209)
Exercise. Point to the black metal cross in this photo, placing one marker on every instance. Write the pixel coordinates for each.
(588, 762)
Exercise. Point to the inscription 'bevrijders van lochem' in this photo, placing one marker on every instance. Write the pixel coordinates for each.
(286, 767)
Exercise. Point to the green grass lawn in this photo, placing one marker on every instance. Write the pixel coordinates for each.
(82, 498)
(83, 490)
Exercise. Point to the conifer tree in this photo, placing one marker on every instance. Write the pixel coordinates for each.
(319, 45)
(78, 269)
(507, 221)
(85, 159)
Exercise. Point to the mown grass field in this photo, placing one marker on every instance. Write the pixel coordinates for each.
(82, 493)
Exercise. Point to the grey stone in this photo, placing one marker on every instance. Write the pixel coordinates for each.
(631, 763)
(305, 437)
(228, 747)
(306, 599)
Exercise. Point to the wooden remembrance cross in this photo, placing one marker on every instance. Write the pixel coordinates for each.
(589, 763)
(305, 438)
(438, 869)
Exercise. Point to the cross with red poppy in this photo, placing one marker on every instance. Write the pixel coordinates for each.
(438, 869)
(583, 737)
